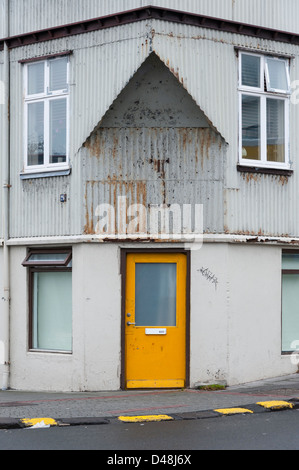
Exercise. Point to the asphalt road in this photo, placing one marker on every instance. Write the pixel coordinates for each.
(264, 431)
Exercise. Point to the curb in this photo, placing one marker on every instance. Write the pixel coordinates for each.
(260, 407)
(16, 423)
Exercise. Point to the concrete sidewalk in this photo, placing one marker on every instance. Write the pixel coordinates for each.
(27, 409)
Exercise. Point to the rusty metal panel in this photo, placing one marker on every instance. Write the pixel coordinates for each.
(3, 136)
(99, 70)
(263, 205)
(154, 166)
(205, 63)
(267, 204)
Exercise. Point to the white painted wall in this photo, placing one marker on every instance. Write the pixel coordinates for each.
(236, 328)
(235, 324)
(95, 362)
(254, 322)
(208, 331)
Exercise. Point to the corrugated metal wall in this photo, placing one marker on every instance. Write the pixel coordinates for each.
(206, 64)
(33, 15)
(3, 132)
(154, 166)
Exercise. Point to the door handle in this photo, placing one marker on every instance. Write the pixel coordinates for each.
(130, 323)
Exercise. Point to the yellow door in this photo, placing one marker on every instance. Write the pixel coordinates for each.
(155, 324)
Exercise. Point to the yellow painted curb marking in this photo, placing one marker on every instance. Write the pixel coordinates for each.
(275, 405)
(139, 419)
(46, 421)
(230, 411)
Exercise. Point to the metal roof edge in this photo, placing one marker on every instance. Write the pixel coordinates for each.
(145, 13)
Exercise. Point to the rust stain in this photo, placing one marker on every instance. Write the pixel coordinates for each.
(159, 167)
(94, 145)
(262, 237)
(89, 225)
(134, 192)
(251, 177)
(280, 179)
(283, 179)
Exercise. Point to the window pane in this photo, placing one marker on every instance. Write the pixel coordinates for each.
(251, 71)
(251, 128)
(155, 294)
(290, 311)
(52, 311)
(278, 79)
(290, 261)
(58, 74)
(36, 78)
(35, 131)
(275, 130)
(49, 258)
(58, 131)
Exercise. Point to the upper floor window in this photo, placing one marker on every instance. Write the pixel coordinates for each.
(46, 114)
(264, 85)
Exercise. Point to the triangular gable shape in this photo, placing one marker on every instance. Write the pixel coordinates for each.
(154, 98)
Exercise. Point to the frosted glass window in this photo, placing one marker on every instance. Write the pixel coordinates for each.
(290, 312)
(58, 130)
(251, 127)
(35, 130)
(35, 78)
(290, 261)
(52, 311)
(58, 74)
(251, 71)
(155, 294)
(277, 77)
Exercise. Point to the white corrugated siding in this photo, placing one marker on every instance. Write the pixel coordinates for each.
(33, 15)
(155, 166)
(205, 62)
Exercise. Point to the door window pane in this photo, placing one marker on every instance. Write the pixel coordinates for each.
(58, 74)
(36, 78)
(58, 131)
(277, 75)
(275, 130)
(290, 311)
(52, 311)
(155, 294)
(251, 127)
(251, 71)
(35, 133)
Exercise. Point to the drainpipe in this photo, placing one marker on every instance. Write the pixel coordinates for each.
(4, 320)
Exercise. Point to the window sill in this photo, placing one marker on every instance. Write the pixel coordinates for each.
(45, 174)
(264, 171)
(50, 351)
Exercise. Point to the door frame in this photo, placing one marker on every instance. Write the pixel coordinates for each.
(123, 270)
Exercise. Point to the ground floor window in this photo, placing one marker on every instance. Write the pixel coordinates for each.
(50, 299)
(290, 302)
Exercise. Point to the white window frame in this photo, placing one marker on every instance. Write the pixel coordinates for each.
(45, 97)
(264, 93)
